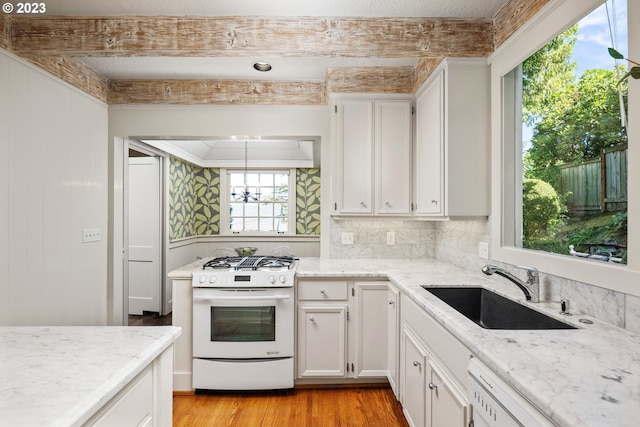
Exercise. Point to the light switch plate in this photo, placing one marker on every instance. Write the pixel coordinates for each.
(347, 238)
(90, 235)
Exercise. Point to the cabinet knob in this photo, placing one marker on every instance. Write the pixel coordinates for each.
(363, 204)
(416, 363)
(434, 201)
(432, 386)
(311, 319)
(322, 291)
(387, 204)
(391, 302)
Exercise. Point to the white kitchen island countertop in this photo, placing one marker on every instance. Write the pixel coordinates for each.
(584, 377)
(61, 376)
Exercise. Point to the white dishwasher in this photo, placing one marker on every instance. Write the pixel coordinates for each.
(496, 404)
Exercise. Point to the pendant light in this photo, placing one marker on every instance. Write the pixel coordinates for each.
(245, 195)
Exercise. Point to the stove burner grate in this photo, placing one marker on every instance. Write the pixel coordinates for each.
(253, 262)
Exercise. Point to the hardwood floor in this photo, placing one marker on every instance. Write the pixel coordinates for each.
(324, 407)
(150, 320)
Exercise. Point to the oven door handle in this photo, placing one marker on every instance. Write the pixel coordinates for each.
(242, 298)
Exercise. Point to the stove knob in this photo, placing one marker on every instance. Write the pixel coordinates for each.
(272, 279)
(283, 278)
(212, 279)
(203, 278)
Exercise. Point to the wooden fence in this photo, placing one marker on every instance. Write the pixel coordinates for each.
(596, 185)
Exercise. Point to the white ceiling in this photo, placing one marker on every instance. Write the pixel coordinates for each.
(237, 152)
(239, 68)
(309, 68)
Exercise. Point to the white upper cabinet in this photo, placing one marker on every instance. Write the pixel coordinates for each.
(393, 157)
(452, 140)
(373, 156)
(355, 153)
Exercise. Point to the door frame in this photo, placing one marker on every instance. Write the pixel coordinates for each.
(118, 293)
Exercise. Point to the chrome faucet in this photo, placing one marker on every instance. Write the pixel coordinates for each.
(531, 288)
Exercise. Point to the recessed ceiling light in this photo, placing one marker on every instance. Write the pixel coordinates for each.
(262, 66)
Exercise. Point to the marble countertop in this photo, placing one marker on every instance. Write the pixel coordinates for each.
(61, 376)
(584, 377)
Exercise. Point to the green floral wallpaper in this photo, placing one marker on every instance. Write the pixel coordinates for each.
(308, 201)
(194, 200)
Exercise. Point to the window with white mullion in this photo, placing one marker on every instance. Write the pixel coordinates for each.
(259, 201)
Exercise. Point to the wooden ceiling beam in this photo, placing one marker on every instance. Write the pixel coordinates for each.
(512, 15)
(248, 36)
(5, 40)
(74, 72)
(371, 79)
(221, 92)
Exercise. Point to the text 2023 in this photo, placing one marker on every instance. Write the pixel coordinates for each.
(31, 8)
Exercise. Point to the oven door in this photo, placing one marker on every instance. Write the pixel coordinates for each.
(243, 323)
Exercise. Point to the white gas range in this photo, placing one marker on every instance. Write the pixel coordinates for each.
(243, 323)
(250, 271)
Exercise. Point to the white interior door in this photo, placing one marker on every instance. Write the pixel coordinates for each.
(145, 267)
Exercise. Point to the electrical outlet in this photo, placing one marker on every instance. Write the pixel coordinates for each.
(483, 250)
(347, 238)
(90, 235)
(391, 238)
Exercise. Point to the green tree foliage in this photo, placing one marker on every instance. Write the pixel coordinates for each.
(546, 74)
(579, 126)
(573, 119)
(542, 209)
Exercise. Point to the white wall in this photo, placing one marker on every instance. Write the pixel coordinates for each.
(53, 184)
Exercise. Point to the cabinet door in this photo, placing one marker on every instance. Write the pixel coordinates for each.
(393, 341)
(413, 382)
(321, 341)
(393, 157)
(371, 329)
(430, 148)
(132, 407)
(355, 152)
(449, 407)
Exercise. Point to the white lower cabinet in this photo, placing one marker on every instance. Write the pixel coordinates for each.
(351, 329)
(342, 329)
(432, 372)
(448, 406)
(322, 328)
(393, 338)
(322, 340)
(145, 402)
(371, 329)
(413, 381)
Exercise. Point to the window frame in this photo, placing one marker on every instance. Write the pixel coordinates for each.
(225, 201)
(552, 20)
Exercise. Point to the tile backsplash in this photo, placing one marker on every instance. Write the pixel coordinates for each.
(413, 239)
(456, 242)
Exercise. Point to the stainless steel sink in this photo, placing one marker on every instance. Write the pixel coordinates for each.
(493, 311)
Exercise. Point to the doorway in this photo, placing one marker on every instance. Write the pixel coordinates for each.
(145, 294)
(145, 252)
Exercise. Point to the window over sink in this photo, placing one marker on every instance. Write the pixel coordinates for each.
(513, 150)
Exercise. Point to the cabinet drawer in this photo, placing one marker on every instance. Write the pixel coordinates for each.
(322, 290)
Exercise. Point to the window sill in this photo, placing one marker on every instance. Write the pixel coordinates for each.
(617, 277)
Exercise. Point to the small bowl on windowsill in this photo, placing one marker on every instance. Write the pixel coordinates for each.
(246, 250)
